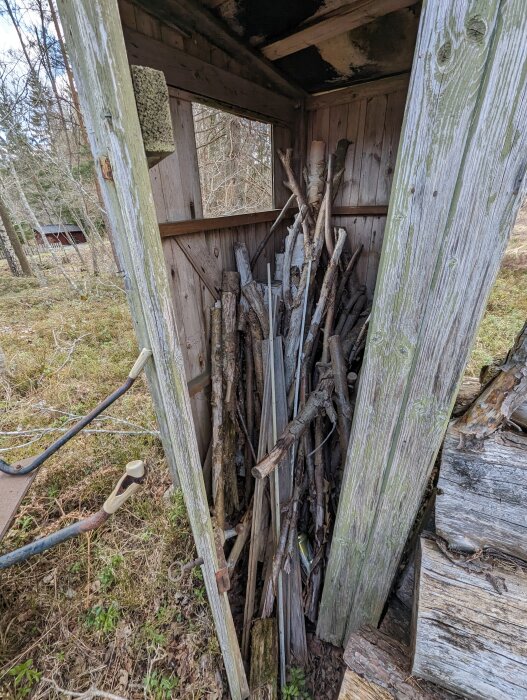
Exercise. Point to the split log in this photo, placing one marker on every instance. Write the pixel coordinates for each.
(505, 393)
(318, 400)
(315, 174)
(471, 624)
(229, 301)
(264, 660)
(342, 393)
(217, 415)
(379, 669)
(482, 493)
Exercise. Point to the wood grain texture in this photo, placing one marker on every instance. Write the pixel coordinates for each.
(470, 638)
(347, 17)
(96, 46)
(264, 660)
(482, 493)
(193, 74)
(378, 666)
(371, 120)
(169, 229)
(459, 180)
(195, 18)
(194, 273)
(355, 93)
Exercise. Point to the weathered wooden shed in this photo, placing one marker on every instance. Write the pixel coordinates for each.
(434, 102)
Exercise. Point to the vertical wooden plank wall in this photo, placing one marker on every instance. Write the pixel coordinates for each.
(460, 178)
(372, 123)
(177, 197)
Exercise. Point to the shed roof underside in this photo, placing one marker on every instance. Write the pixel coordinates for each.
(374, 49)
(318, 45)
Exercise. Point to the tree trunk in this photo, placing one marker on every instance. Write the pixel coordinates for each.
(13, 238)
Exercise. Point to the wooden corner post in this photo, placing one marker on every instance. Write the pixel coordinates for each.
(458, 184)
(95, 43)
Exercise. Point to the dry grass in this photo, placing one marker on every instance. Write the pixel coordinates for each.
(507, 306)
(100, 610)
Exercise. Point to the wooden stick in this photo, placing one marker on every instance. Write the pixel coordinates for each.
(317, 401)
(327, 221)
(342, 393)
(327, 284)
(280, 597)
(279, 219)
(243, 529)
(346, 309)
(217, 415)
(347, 272)
(230, 290)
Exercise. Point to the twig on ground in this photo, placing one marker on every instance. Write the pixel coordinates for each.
(86, 695)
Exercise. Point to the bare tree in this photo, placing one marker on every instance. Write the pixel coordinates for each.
(13, 237)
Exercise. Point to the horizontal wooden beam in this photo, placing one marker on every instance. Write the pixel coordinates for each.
(343, 96)
(193, 16)
(346, 18)
(180, 228)
(202, 79)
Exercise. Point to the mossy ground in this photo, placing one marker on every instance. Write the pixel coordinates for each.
(107, 609)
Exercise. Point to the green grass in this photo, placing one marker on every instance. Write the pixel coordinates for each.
(102, 601)
(504, 317)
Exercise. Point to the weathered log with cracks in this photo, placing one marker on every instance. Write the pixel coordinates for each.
(338, 364)
(264, 660)
(218, 480)
(229, 302)
(505, 393)
(482, 491)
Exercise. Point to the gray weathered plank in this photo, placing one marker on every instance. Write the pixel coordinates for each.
(482, 493)
(469, 637)
(459, 180)
(96, 46)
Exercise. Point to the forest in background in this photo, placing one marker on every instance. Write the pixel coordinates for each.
(47, 172)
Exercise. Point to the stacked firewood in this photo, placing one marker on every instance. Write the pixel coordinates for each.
(285, 356)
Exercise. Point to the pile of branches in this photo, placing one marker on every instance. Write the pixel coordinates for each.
(285, 358)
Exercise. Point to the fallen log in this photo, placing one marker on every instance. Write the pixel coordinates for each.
(470, 624)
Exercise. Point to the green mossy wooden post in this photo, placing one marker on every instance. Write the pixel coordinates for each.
(458, 183)
(95, 43)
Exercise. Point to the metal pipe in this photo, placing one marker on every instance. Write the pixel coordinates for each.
(127, 485)
(41, 545)
(13, 470)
